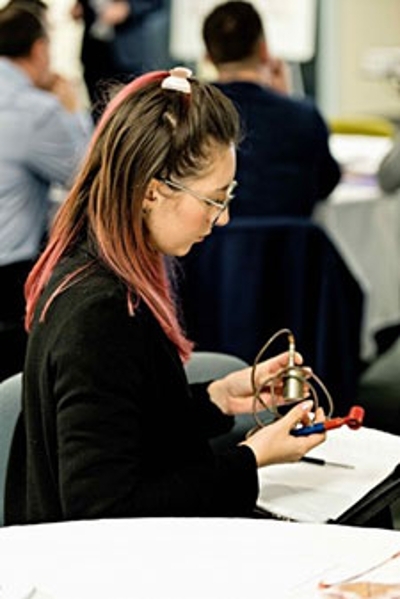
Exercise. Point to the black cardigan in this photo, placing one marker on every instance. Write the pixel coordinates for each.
(110, 426)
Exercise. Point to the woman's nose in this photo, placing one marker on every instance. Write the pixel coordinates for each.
(222, 219)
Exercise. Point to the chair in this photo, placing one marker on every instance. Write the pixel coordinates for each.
(205, 366)
(10, 407)
(258, 275)
(378, 391)
(12, 348)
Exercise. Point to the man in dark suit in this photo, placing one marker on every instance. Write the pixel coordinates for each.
(284, 162)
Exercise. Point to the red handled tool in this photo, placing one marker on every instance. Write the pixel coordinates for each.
(354, 420)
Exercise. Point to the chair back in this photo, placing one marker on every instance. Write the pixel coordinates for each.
(206, 366)
(10, 407)
(258, 275)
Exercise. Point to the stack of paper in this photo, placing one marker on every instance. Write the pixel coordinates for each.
(308, 492)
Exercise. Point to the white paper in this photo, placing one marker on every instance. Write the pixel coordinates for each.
(21, 590)
(312, 493)
(360, 154)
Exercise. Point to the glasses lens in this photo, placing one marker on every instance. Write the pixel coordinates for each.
(221, 206)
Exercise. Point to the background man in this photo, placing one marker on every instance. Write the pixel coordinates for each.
(284, 162)
(44, 134)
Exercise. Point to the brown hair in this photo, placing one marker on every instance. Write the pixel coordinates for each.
(146, 132)
(232, 31)
(20, 28)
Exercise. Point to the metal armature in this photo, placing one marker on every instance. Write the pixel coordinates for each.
(294, 381)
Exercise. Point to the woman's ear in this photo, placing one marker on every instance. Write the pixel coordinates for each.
(150, 196)
(151, 191)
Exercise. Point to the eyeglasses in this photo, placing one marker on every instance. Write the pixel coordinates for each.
(220, 205)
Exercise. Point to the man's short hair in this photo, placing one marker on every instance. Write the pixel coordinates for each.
(38, 7)
(20, 28)
(231, 32)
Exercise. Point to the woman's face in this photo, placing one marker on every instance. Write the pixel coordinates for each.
(176, 218)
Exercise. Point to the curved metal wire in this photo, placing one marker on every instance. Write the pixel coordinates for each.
(302, 376)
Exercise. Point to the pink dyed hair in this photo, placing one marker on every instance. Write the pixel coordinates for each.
(143, 132)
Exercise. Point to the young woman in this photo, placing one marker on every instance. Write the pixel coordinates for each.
(111, 427)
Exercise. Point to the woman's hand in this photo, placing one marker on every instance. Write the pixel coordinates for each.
(234, 393)
(274, 444)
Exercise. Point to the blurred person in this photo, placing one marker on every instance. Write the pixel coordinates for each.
(44, 134)
(110, 426)
(121, 39)
(284, 162)
(95, 55)
(141, 40)
(389, 169)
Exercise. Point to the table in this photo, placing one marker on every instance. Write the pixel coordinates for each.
(181, 558)
(365, 226)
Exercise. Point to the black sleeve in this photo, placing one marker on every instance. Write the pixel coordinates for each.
(212, 421)
(129, 443)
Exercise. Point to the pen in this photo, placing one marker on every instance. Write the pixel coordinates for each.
(321, 462)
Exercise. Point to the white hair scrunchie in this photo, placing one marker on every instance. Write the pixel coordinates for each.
(177, 80)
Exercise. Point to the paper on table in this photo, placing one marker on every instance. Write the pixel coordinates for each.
(384, 574)
(359, 153)
(359, 157)
(356, 191)
(364, 575)
(21, 590)
(311, 493)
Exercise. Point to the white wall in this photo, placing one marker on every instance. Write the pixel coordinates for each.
(289, 25)
(349, 29)
(66, 36)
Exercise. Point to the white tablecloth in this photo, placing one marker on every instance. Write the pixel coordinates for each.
(365, 226)
(184, 558)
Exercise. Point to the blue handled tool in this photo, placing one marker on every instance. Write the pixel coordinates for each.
(354, 420)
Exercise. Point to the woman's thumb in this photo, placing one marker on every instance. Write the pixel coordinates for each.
(297, 413)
